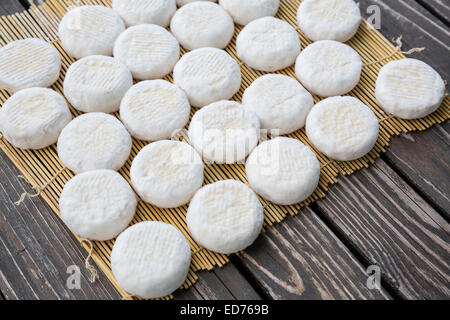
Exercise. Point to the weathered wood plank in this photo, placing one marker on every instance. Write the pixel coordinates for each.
(438, 8)
(302, 259)
(390, 225)
(10, 6)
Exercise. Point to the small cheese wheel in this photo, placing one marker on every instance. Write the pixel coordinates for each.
(154, 110)
(150, 259)
(149, 51)
(202, 24)
(409, 88)
(97, 84)
(167, 173)
(328, 68)
(134, 12)
(343, 128)
(280, 102)
(329, 19)
(225, 216)
(94, 141)
(283, 171)
(246, 11)
(268, 44)
(33, 118)
(224, 132)
(97, 205)
(28, 63)
(207, 75)
(181, 3)
(90, 30)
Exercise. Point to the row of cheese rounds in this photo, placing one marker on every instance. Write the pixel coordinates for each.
(169, 173)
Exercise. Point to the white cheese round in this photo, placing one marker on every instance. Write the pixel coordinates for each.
(283, 171)
(202, 24)
(409, 88)
(167, 173)
(343, 128)
(134, 12)
(207, 75)
(154, 110)
(94, 141)
(28, 63)
(33, 118)
(328, 68)
(224, 132)
(149, 51)
(279, 101)
(225, 216)
(268, 44)
(329, 19)
(150, 259)
(90, 30)
(97, 205)
(97, 84)
(246, 11)
(181, 3)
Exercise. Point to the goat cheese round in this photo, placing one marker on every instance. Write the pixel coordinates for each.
(283, 171)
(225, 216)
(97, 84)
(94, 141)
(167, 173)
(328, 68)
(343, 128)
(150, 259)
(181, 3)
(154, 110)
(28, 63)
(329, 19)
(246, 11)
(33, 118)
(202, 24)
(279, 101)
(224, 132)
(90, 30)
(409, 88)
(148, 50)
(207, 75)
(134, 12)
(97, 205)
(268, 44)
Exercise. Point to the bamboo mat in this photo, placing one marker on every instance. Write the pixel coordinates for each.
(43, 167)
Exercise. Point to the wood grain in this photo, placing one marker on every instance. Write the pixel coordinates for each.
(10, 7)
(438, 8)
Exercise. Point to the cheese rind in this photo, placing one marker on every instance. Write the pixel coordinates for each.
(283, 171)
(343, 128)
(224, 132)
(97, 84)
(207, 75)
(337, 20)
(167, 173)
(268, 44)
(181, 3)
(328, 68)
(33, 118)
(148, 50)
(280, 102)
(28, 63)
(90, 30)
(135, 12)
(150, 259)
(243, 12)
(225, 216)
(97, 205)
(202, 24)
(409, 88)
(154, 110)
(94, 141)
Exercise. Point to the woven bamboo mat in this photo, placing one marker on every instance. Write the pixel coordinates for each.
(43, 167)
